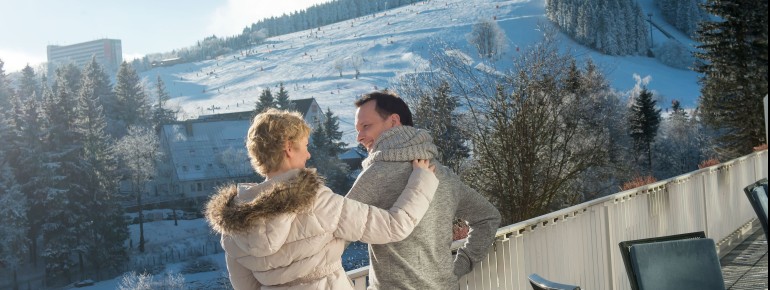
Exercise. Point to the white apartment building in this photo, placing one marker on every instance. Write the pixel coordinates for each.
(108, 52)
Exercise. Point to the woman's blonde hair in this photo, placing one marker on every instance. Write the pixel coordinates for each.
(267, 135)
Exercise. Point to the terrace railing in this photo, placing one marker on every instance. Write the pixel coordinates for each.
(579, 245)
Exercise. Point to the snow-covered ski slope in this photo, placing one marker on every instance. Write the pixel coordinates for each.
(391, 43)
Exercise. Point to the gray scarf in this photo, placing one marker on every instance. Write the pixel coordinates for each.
(402, 143)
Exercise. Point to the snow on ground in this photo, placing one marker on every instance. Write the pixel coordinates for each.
(192, 240)
(192, 281)
(390, 43)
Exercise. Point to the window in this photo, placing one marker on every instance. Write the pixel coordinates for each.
(192, 187)
(200, 186)
(184, 168)
(197, 167)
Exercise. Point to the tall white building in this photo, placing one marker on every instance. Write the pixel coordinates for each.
(108, 52)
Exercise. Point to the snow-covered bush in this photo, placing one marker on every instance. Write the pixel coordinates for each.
(144, 281)
(134, 281)
(173, 281)
(674, 54)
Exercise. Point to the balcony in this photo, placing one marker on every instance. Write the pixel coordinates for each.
(579, 245)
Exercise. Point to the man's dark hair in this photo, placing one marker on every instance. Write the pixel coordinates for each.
(388, 103)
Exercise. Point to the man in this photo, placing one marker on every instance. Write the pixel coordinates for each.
(424, 259)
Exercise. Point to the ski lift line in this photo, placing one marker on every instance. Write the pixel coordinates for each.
(668, 35)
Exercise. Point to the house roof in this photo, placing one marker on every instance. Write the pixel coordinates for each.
(207, 150)
(301, 105)
(213, 146)
(353, 153)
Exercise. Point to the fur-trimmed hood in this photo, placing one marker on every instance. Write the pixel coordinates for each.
(236, 209)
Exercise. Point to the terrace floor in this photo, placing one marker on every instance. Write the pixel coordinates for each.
(745, 267)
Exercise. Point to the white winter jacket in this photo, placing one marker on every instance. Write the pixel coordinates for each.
(289, 232)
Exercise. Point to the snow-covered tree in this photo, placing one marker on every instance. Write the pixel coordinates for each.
(65, 211)
(678, 149)
(28, 163)
(135, 281)
(5, 89)
(28, 84)
(674, 54)
(488, 39)
(614, 27)
(13, 212)
(138, 151)
(106, 232)
(685, 15)
(68, 75)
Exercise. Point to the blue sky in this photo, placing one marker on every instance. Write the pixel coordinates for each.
(143, 26)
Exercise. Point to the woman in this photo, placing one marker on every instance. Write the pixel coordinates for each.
(289, 232)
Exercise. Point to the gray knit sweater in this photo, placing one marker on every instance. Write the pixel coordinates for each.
(423, 260)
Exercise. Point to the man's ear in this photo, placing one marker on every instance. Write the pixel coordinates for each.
(396, 119)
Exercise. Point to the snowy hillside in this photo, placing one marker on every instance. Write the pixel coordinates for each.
(390, 43)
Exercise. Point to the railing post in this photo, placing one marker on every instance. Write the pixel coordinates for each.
(610, 279)
(702, 182)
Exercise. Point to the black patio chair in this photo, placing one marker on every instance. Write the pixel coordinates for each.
(540, 283)
(684, 261)
(757, 194)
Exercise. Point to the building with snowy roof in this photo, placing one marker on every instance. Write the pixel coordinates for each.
(203, 153)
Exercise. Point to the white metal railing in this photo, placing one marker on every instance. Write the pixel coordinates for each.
(579, 245)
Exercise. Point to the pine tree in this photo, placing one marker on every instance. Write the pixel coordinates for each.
(282, 99)
(266, 101)
(103, 88)
(106, 232)
(644, 119)
(162, 115)
(5, 90)
(13, 212)
(27, 161)
(331, 127)
(29, 85)
(65, 212)
(325, 146)
(131, 106)
(436, 111)
(733, 63)
(69, 73)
